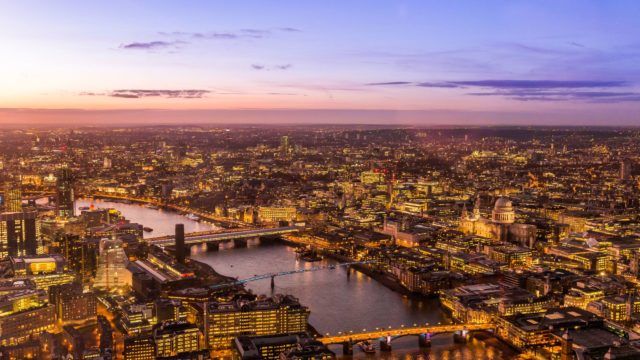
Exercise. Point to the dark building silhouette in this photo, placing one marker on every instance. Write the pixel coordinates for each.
(18, 233)
(180, 246)
(65, 196)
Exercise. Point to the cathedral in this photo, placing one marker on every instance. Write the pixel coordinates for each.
(501, 226)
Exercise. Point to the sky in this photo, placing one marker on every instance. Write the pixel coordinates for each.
(363, 61)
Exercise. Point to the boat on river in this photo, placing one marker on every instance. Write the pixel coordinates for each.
(193, 217)
(367, 347)
(147, 229)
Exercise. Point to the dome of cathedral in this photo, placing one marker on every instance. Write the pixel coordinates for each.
(503, 204)
(503, 211)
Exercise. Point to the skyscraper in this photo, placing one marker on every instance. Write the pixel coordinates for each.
(18, 233)
(625, 170)
(12, 197)
(284, 145)
(65, 196)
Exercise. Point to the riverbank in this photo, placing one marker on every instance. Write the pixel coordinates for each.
(382, 278)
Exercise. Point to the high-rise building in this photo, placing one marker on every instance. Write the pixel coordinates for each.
(112, 273)
(65, 196)
(625, 170)
(180, 246)
(19, 232)
(81, 255)
(12, 197)
(284, 145)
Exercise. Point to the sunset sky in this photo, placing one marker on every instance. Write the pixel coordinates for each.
(422, 62)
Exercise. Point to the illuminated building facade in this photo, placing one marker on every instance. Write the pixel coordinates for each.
(270, 214)
(72, 304)
(225, 321)
(65, 196)
(500, 227)
(12, 198)
(112, 273)
(19, 233)
(175, 338)
(141, 347)
(19, 326)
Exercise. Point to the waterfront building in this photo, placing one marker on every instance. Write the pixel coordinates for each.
(273, 214)
(288, 346)
(223, 321)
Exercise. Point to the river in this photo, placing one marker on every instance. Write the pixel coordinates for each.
(337, 302)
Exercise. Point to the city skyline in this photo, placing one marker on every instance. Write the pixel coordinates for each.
(373, 62)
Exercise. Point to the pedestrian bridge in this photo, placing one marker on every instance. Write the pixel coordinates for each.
(272, 276)
(354, 337)
(220, 236)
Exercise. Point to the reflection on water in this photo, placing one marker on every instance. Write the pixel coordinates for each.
(338, 302)
(344, 303)
(161, 221)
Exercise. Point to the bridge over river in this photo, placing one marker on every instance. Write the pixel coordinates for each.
(386, 336)
(216, 236)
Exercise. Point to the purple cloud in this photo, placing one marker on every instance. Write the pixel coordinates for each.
(272, 67)
(151, 45)
(437, 85)
(390, 83)
(539, 84)
(535, 90)
(142, 93)
(563, 95)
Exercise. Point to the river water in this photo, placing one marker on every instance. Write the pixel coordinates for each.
(338, 302)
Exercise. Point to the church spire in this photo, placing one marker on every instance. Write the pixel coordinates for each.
(476, 208)
(465, 213)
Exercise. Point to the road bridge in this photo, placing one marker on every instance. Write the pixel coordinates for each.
(386, 336)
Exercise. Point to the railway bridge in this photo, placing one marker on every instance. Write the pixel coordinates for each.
(215, 237)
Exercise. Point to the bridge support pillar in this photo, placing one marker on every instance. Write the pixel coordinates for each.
(213, 246)
(385, 345)
(273, 282)
(240, 243)
(460, 336)
(424, 340)
(348, 272)
(347, 348)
